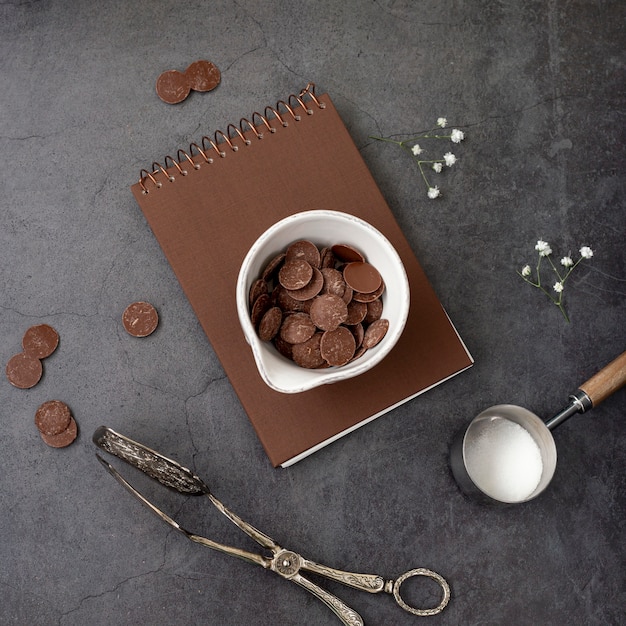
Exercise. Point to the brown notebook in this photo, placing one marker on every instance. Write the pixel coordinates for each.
(209, 204)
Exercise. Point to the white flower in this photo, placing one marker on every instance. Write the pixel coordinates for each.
(543, 247)
(433, 192)
(566, 261)
(442, 122)
(457, 135)
(437, 167)
(526, 270)
(449, 158)
(558, 286)
(586, 252)
(416, 149)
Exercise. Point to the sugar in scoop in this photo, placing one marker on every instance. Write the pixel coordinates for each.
(504, 460)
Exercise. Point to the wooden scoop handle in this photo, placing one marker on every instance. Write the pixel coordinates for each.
(607, 381)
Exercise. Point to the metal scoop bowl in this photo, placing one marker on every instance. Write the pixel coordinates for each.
(507, 454)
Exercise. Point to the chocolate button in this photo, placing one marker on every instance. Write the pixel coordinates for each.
(24, 370)
(362, 277)
(308, 354)
(270, 324)
(333, 281)
(52, 417)
(258, 288)
(260, 306)
(64, 438)
(356, 312)
(347, 253)
(295, 274)
(304, 250)
(375, 332)
(297, 328)
(337, 346)
(328, 311)
(40, 341)
(203, 76)
(369, 297)
(140, 319)
(272, 266)
(374, 311)
(172, 86)
(311, 290)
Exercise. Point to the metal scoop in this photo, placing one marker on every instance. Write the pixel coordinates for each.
(482, 471)
(284, 562)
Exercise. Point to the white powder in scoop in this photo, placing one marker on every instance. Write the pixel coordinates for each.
(504, 460)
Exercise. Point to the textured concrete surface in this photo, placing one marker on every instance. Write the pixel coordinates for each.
(538, 88)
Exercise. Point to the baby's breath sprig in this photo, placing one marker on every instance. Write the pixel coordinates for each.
(413, 147)
(544, 251)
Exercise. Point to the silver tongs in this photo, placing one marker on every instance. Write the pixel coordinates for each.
(285, 563)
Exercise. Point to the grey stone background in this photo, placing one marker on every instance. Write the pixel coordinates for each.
(538, 88)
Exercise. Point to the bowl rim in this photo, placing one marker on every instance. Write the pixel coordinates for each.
(317, 377)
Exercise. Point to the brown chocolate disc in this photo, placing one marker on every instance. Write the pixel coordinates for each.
(311, 290)
(356, 313)
(362, 277)
(257, 288)
(40, 341)
(308, 354)
(337, 346)
(375, 332)
(297, 328)
(24, 370)
(327, 258)
(272, 266)
(260, 306)
(281, 297)
(52, 417)
(333, 281)
(140, 319)
(304, 250)
(64, 438)
(369, 297)
(172, 86)
(328, 311)
(203, 76)
(347, 253)
(374, 311)
(270, 323)
(358, 331)
(295, 274)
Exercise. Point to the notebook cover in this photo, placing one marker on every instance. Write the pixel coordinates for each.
(207, 220)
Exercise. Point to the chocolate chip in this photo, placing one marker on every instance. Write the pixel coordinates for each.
(295, 274)
(140, 319)
(328, 311)
(40, 341)
(337, 346)
(24, 370)
(52, 417)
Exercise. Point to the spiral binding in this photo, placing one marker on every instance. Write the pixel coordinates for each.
(224, 142)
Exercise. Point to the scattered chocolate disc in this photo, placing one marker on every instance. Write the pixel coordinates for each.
(203, 75)
(40, 341)
(52, 417)
(24, 370)
(172, 86)
(140, 319)
(64, 438)
(337, 346)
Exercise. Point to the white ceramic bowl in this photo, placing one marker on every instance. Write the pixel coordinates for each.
(323, 228)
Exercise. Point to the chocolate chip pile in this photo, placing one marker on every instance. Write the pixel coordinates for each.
(319, 307)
